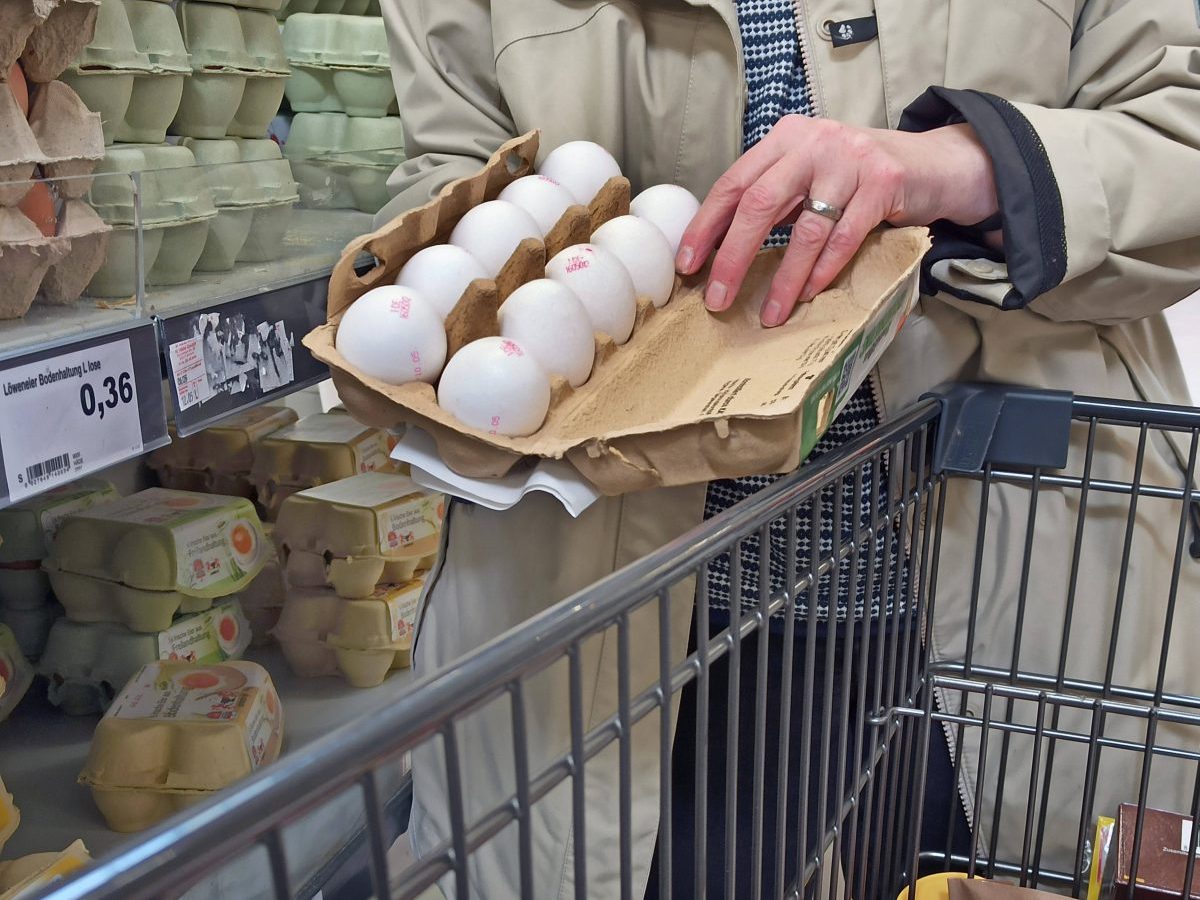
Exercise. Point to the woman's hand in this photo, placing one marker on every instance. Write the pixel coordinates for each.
(873, 175)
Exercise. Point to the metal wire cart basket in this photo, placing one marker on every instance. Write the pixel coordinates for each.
(1025, 600)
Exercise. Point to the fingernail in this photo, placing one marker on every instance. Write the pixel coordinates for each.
(772, 313)
(683, 262)
(714, 298)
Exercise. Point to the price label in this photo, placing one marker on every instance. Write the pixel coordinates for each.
(68, 415)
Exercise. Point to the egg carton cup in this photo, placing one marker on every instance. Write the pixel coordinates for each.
(25, 587)
(85, 598)
(225, 448)
(353, 90)
(245, 234)
(26, 875)
(170, 251)
(26, 255)
(88, 238)
(61, 135)
(20, 152)
(155, 95)
(107, 92)
(691, 397)
(261, 99)
(351, 577)
(343, 162)
(336, 40)
(30, 627)
(58, 38)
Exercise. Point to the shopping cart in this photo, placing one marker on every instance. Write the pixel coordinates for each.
(1017, 622)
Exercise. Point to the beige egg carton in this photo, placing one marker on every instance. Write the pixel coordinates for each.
(27, 875)
(223, 449)
(263, 599)
(177, 733)
(44, 34)
(690, 397)
(53, 270)
(362, 640)
(158, 540)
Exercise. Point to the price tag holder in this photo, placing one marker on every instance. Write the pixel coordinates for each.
(70, 411)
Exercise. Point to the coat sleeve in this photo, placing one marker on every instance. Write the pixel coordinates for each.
(1100, 201)
(444, 70)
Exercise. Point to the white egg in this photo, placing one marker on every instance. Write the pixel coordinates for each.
(392, 333)
(440, 274)
(491, 232)
(494, 385)
(602, 283)
(644, 252)
(668, 206)
(548, 320)
(540, 196)
(581, 167)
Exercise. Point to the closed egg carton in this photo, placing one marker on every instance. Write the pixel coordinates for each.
(30, 627)
(173, 190)
(27, 875)
(352, 577)
(315, 450)
(226, 447)
(18, 19)
(213, 93)
(265, 88)
(305, 621)
(378, 515)
(89, 237)
(200, 545)
(340, 64)
(177, 733)
(58, 40)
(85, 598)
(86, 664)
(26, 255)
(373, 636)
(10, 818)
(343, 162)
(27, 528)
(156, 94)
(16, 674)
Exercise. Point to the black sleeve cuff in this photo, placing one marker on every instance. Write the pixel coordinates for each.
(1031, 209)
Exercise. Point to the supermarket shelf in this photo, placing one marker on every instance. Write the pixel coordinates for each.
(42, 752)
(52, 326)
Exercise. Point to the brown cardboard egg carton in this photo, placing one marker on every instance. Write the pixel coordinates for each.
(690, 397)
(45, 35)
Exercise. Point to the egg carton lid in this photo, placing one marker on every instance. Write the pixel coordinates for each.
(260, 33)
(112, 45)
(370, 141)
(212, 33)
(336, 41)
(173, 188)
(156, 34)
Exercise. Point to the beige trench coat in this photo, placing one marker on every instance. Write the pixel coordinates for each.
(1111, 89)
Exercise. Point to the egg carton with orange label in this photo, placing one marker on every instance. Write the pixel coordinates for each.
(27, 875)
(177, 733)
(316, 450)
(87, 599)
(363, 640)
(202, 546)
(85, 665)
(360, 532)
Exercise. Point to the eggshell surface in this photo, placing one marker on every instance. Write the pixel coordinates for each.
(550, 322)
(644, 252)
(599, 280)
(440, 274)
(393, 334)
(582, 167)
(542, 197)
(491, 232)
(668, 206)
(494, 385)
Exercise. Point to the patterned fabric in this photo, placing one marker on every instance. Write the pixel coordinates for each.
(777, 87)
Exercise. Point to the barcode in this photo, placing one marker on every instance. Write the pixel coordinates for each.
(46, 469)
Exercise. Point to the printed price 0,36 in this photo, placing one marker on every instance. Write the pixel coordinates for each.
(113, 391)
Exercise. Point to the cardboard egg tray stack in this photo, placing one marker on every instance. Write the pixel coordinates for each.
(691, 396)
(51, 241)
(346, 137)
(213, 74)
(354, 554)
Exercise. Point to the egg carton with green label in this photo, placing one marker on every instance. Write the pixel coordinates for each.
(339, 64)
(85, 598)
(253, 190)
(201, 546)
(238, 71)
(87, 664)
(176, 209)
(343, 162)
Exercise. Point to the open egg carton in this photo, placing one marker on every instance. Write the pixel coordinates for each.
(343, 162)
(690, 397)
(339, 64)
(51, 241)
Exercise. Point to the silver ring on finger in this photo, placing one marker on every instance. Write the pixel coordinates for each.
(821, 208)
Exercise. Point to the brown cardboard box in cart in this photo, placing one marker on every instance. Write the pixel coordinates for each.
(691, 397)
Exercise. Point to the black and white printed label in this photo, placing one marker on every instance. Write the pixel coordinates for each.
(68, 415)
